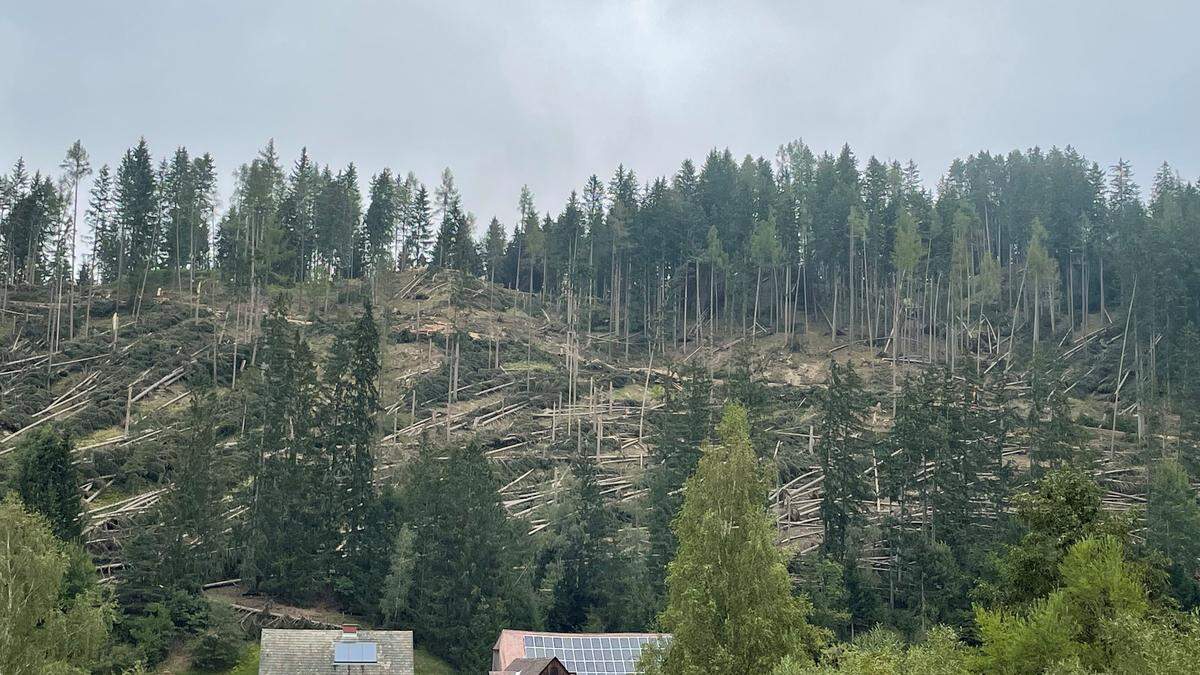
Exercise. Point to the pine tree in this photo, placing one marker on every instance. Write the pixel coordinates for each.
(463, 586)
(48, 482)
(379, 224)
(137, 214)
(421, 228)
(730, 606)
(493, 248)
(680, 428)
(840, 455)
(589, 565)
(1173, 528)
(352, 401)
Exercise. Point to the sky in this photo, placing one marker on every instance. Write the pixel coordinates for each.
(547, 93)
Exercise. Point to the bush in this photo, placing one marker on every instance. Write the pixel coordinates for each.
(216, 650)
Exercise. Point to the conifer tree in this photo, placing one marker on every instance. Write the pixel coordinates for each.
(463, 586)
(730, 606)
(1173, 528)
(352, 400)
(177, 545)
(137, 213)
(379, 224)
(421, 228)
(840, 455)
(493, 248)
(32, 226)
(291, 529)
(680, 429)
(589, 565)
(298, 217)
(106, 235)
(48, 482)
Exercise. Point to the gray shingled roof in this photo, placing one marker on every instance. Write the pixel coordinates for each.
(310, 652)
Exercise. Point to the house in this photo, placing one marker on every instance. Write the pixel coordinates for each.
(348, 651)
(518, 651)
(543, 666)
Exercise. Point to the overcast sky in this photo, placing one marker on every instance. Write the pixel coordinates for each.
(508, 93)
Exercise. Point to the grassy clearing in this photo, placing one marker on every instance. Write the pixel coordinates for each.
(427, 664)
(535, 366)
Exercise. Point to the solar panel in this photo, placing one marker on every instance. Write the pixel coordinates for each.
(593, 654)
(354, 652)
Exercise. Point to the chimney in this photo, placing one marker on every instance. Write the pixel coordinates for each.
(350, 631)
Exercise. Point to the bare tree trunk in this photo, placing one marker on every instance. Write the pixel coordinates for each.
(1112, 439)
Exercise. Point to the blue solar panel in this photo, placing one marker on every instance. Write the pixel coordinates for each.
(593, 654)
(354, 652)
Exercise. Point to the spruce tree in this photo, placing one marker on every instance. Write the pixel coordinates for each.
(48, 482)
(1173, 528)
(31, 228)
(298, 217)
(291, 529)
(586, 556)
(840, 454)
(493, 248)
(464, 589)
(137, 213)
(352, 401)
(379, 224)
(421, 228)
(680, 428)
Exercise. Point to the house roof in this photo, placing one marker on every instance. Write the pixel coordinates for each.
(530, 666)
(310, 652)
(580, 653)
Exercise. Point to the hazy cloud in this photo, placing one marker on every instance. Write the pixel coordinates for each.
(547, 93)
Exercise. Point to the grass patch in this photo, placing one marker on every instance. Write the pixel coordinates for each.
(633, 393)
(425, 663)
(522, 366)
(111, 495)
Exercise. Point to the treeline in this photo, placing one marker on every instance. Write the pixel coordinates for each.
(1008, 251)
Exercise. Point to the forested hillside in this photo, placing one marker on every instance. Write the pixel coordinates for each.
(877, 426)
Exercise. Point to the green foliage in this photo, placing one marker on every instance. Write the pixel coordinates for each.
(216, 651)
(49, 624)
(1063, 508)
(1073, 621)
(290, 530)
(464, 588)
(593, 582)
(881, 652)
(680, 427)
(822, 580)
(1173, 527)
(730, 605)
(177, 544)
(351, 404)
(48, 482)
(841, 456)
